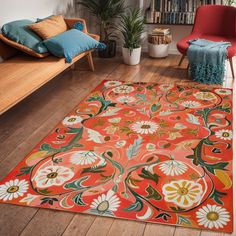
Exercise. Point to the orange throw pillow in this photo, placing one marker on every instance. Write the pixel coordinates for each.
(49, 27)
(22, 47)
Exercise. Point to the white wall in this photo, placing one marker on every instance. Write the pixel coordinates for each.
(31, 9)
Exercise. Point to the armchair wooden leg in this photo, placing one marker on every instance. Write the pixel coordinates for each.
(90, 61)
(232, 66)
(181, 60)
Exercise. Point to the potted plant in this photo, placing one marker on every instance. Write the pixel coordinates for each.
(132, 27)
(108, 13)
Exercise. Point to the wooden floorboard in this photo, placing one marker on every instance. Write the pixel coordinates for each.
(23, 126)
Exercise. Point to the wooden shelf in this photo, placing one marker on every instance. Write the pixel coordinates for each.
(168, 24)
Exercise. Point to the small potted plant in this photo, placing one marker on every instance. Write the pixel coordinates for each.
(108, 13)
(132, 27)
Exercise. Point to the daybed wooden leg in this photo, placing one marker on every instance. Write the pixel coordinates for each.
(181, 60)
(90, 61)
(232, 66)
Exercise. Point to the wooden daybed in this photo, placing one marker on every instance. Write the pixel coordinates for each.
(21, 75)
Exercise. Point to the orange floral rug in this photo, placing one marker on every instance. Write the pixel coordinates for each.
(158, 153)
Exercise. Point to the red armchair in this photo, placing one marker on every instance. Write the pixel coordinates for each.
(215, 23)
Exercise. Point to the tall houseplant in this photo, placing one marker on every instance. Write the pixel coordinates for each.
(132, 27)
(108, 13)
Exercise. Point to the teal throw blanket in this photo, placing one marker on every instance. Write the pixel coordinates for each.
(207, 60)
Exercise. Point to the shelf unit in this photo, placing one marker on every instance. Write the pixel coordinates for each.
(174, 12)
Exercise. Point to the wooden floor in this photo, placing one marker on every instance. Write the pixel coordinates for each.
(22, 127)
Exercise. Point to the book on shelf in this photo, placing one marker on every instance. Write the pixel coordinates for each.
(175, 11)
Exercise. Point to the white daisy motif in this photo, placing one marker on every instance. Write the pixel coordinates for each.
(125, 99)
(224, 134)
(223, 91)
(13, 189)
(112, 83)
(145, 127)
(72, 120)
(52, 176)
(183, 193)
(83, 158)
(123, 89)
(106, 203)
(212, 216)
(173, 168)
(191, 104)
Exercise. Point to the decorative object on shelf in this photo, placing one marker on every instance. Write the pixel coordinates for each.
(108, 13)
(132, 27)
(158, 42)
(176, 11)
(151, 12)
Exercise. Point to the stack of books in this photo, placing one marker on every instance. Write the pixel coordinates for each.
(161, 31)
(175, 11)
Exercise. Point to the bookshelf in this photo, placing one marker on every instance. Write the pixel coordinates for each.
(174, 12)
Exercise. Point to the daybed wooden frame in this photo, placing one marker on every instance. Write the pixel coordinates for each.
(21, 75)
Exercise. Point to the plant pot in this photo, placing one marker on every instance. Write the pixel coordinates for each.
(158, 50)
(132, 58)
(109, 51)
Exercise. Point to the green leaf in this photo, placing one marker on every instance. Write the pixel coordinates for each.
(148, 175)
(97, 169)
(73, 130)
(77, 184)
(163, 216)
(46, 147)
(109, 153)
(25, 170)
(151, 86)
(48, 200)
(183, 220)
(78, 199)
(155, 107)
(197, 154)
(137, 206)
(115, 164)
(180, 89)
(153, 194)
(217, 195)
(115, 188)
(217, 166)
(133, 149)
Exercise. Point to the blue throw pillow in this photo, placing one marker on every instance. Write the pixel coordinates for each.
(19, 32)
(78, 26)
(71, 43)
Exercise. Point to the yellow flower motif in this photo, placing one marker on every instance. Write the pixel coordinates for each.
(111, 129)
(174, 135)
(205, 96)
(183, 193)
